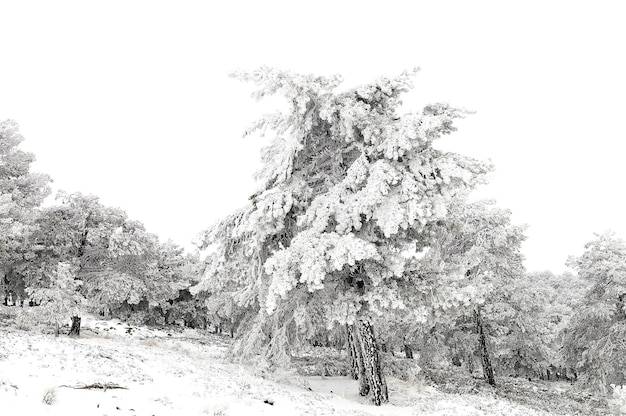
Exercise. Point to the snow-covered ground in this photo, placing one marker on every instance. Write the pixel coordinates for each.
(184, 373)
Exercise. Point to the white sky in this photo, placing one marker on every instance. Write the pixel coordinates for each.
(130, 100)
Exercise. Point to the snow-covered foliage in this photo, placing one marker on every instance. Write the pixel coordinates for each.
(348, 185)
(542, 306)
(58, 302)
(21, 193)
(123, 268)
(596, 338)
(472, 264)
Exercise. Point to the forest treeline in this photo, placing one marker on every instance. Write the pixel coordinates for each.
(363, 237)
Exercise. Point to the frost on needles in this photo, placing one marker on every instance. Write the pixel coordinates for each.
(348, 185)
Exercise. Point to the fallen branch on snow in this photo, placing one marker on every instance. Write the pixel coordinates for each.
(103, 386)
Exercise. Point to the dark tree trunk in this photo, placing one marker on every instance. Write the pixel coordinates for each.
(470, 363)
(357, 365)
(364, 387)
(622, 299)
(371, 363)
(353, 350)
(484, 350)
(75, 329)
(408, 351)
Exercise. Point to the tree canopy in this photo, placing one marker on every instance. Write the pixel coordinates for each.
(348, 184)
(596, 337)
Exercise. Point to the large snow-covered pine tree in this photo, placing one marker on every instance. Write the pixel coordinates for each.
(348, 185)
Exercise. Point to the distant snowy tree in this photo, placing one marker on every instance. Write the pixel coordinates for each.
(542, 305)
(75, 232)
(474, 261)
(21, 193)
(348, 185)
(60, 300)
(136, 269)
(120, 264)
(596, 338)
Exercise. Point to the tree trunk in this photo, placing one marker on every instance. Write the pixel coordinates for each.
(364, 387)
(484, 351)
(75, 329)
(353, 351)
(371, 363)
(470, 363)
(408, 351)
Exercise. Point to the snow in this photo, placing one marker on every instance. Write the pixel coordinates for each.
(184, 372)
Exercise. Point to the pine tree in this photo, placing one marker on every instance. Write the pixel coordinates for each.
(596, 339)
(473, 262)
(348, 185)
(123, 267)
(21, 193)
(59, 300)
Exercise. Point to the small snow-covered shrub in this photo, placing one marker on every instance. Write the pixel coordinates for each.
(49, 396)
(217, 409)
(321, 366)
(454, 380)
(180, 348)
(8, 315)
(25, 322)
(321, 361)
(402, 368)
(288, 376)
(149, 342)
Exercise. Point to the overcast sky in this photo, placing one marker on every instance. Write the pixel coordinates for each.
(131, 100)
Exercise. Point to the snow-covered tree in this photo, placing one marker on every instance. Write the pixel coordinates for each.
(596, 338)
(60, 300)
(21, 193)
(348, 185)
(542, 305)
(120, 264)
(130, 272)
(75, 232)
(473, 262)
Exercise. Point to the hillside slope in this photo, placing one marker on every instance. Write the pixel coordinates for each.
(183, 372)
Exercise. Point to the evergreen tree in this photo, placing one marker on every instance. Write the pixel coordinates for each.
(542, 305)
(348, 185)
(58, 301)
(21, 193)
(123, 267)
(596, 339)
(473, 263)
